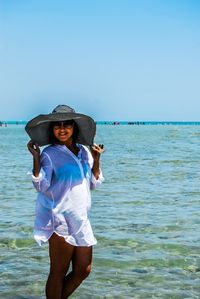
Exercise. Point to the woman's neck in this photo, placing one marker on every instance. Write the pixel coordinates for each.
(71, 145)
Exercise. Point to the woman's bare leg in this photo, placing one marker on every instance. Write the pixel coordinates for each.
(81, 267)
(60, 253)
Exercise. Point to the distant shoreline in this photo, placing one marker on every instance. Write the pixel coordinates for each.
(134, 123)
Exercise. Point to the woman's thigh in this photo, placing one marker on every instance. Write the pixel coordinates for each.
(60, 253)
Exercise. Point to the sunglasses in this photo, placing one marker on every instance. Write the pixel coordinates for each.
(65, 124)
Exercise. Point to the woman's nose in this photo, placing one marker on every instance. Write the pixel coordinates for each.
(62, 125)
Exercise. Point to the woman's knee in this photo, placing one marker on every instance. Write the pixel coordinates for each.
(87, 270)
(83, 273)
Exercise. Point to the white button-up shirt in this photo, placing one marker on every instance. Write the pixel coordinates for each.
(64, 198)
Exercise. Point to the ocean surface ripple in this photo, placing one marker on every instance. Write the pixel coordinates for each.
(146, 216)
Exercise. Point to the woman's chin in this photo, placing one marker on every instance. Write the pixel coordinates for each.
(63, 139)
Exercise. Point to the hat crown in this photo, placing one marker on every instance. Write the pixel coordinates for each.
(63, 109)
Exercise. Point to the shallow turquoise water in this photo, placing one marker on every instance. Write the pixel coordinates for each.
(146, 216)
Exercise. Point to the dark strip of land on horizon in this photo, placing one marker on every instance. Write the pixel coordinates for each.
(137, 123)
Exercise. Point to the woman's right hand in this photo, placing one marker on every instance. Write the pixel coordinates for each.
(33, 149)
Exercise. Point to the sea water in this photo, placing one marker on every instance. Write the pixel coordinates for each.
(145, 216)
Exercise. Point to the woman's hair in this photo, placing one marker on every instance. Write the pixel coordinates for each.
(54, 140)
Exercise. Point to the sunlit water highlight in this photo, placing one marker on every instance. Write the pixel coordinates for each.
(146, 216)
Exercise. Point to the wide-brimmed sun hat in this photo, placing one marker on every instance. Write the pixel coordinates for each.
(38, 128)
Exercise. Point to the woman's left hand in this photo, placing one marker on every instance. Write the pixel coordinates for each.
(96, 151)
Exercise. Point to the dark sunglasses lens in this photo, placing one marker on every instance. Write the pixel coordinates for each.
(63, 123)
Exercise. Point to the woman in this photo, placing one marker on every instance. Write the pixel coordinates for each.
(63, 175)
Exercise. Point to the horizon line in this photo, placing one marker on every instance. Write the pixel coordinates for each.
(134, 122)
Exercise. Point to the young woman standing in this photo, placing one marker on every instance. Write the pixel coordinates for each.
(63, 175)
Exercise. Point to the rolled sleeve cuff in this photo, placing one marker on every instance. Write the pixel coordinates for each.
(37, 179)
(99, 180)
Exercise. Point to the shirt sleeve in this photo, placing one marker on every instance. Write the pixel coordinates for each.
(43, 181)
(94, 183)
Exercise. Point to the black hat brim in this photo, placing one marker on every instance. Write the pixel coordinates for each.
(39, 127)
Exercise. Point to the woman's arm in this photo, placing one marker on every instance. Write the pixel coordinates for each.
(96, 151)
(97, 176)
(42, 168)
(35, 151)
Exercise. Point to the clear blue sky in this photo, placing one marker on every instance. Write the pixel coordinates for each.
(112, 59)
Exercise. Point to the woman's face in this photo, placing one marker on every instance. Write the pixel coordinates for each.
(63, 131)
